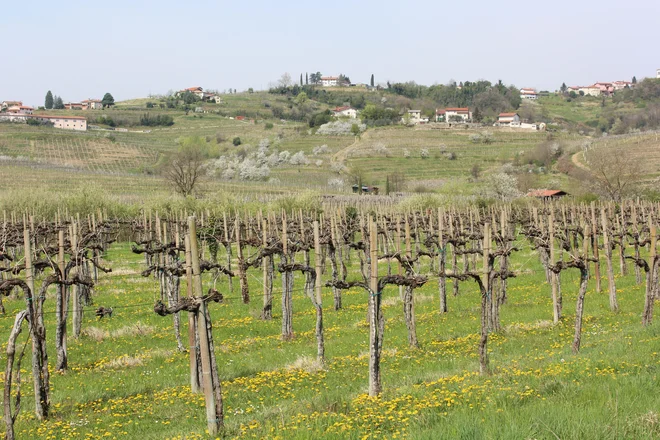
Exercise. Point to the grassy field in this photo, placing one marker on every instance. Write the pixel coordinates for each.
(128, 381)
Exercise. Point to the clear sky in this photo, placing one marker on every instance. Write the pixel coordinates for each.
(130, 48)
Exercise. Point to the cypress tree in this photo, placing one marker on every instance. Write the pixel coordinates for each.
(306, 78)
(49, 100)
(372, 80)
(301, 83)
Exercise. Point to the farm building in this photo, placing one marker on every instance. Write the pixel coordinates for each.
(92, 104)
(527, 93)
(20, 110)
(414, 117)
(547, 194)
(508, 119)
(77, 123)
(329, 81)
(6, 104)
(200, 93)
(458, 114)
(345, 112)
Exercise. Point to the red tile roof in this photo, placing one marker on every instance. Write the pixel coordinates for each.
(59, 117)
(457, 109)
(546, 193)
(505, 115)
(341, 109)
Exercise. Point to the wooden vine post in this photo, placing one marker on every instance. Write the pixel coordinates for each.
(486, 296)
(594, 247)
(442, 263)
(210, 381)
(287, 286)
(77, 307)
(61, 306)
(376, 321)
(193, 337)
(318, 302)
(268, 268)
(607, 244)
(556, 303)
(651, 279)
(242, 275)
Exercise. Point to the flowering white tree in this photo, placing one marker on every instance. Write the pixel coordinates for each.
(339, 128)
(264, 143)
(249, 169)
(424, 153)
(380, 148)
(321, 149)
(336, 183)
(502, 186)
(299, 159)
(338, 167)
(406, 153)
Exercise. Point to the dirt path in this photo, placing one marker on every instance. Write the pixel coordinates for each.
(577, 162)
(342, 155)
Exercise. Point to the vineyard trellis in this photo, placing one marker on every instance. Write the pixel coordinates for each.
(370, 248)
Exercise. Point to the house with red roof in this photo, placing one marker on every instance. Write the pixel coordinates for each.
(329, 81)
(77, 123)
(345, 111)
(508, 119)
(527, 93)
(20, 109)
(200, 93)
(453, 114)
(6, 104)
(92, 104)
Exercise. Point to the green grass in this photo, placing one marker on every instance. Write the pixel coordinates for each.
(133, 384)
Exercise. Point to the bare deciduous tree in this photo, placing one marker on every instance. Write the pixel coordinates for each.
(614, 171)
(187, 166)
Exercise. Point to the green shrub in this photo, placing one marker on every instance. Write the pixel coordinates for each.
(236, 141)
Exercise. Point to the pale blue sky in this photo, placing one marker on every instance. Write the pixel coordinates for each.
(83, 48)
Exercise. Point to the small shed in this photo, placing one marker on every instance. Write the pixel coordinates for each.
(547, 194)
(366, 189)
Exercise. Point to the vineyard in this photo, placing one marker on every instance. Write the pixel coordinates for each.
(353, 321)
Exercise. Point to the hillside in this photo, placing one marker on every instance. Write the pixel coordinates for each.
(128, 161)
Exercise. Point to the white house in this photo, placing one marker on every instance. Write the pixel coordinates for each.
(592, 90)
(6, 104)
(329, 81)
(77, 123)
(510, 119)
(92, 104)
(527, 93)
(20, 110)
(454, 114)
(414, 117)
(200, 93)
(619, 85)
(347, 112)
(657, 73)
